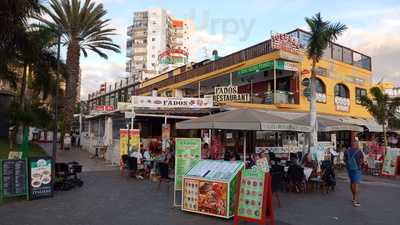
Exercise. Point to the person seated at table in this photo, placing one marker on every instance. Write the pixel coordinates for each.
(328, 174)
(263, 162)
(205, 151)
(147, 162)
(140, 165)
(252, 161)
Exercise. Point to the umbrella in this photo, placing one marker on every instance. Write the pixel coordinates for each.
(329, 125)
(243, 119)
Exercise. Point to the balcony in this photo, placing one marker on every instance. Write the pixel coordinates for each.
(129, 31)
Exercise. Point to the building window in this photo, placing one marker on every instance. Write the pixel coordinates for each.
(153, 39)
(342, 91)
(320, 86)
(153, 47)
(360, 92)
(337, 52)
(152, 56)
(347, 56)
(321, 91)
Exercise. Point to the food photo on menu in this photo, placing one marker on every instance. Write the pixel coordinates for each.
(212, 198)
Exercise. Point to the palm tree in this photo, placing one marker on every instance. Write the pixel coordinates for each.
(383, 108)
(14, 16)
(83, 28)
(322, 33)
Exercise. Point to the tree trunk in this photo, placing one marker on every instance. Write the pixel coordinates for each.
(73, 55)
(23, 86)
(313, 108)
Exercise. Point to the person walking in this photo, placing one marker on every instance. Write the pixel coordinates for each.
(354, 159)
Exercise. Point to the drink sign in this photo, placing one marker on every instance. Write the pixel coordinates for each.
(254, 198)
(41, 179)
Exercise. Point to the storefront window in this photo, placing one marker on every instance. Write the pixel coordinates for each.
(342, 91)
(359, 93)
(337, 52)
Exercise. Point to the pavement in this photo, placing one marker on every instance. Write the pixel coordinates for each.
(107, 198)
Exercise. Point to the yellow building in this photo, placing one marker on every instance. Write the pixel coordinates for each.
(272, 72)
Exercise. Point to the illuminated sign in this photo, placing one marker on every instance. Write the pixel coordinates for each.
(285, 42)
(107, 108)
(173, 56)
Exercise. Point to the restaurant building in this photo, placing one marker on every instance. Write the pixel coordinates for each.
(271, 75)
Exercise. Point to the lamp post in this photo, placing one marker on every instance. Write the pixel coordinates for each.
(55, 129)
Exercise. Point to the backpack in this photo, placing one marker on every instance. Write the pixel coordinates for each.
(352, 162)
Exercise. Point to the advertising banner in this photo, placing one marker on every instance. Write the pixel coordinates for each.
(40, 174)
(390, 162)
(187, 153)
(134, 140)
(165, 136)
(171, 102)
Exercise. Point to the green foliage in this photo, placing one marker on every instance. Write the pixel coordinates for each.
(322, 32)
(35, 115)
(81, 23)
(382, 107)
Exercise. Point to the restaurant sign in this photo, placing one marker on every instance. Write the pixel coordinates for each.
(171, 102)
(342, 104)
(269, 65)
(230, 94)
(285, 42)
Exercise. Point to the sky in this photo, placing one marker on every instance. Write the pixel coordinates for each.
(231, 25)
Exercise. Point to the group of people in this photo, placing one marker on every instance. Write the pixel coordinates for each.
(148, 158)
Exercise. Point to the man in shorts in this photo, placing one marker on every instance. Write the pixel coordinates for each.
(354, 159)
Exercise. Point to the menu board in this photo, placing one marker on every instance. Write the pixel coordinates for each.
(13, 178)
(40, 172)
(187, 153)
(215, 169)
(390, 162)
(251, 194)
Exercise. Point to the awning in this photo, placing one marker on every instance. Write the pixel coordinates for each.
(370, 124)
(243, 119)
(329, 125)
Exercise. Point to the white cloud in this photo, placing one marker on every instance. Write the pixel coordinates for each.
(204, 43)
(95, 74)
(380, 40)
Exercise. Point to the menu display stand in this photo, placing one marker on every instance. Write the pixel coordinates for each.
(13, 178)
(209, 188)
(41, 177)
(254, 198)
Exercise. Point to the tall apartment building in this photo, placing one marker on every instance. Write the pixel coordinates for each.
(154, 44)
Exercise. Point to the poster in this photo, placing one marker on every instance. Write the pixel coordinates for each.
(212, 198)
(251, 194)
(165, 136)
(390, 162)
(187, 153)
(40, 173)
(191, 194)
(134, 141)
(13, 178)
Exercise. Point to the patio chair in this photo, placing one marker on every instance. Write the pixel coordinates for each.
(164, 174)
